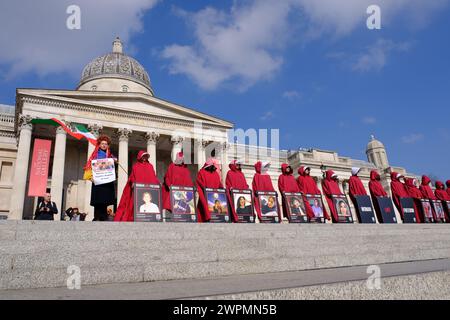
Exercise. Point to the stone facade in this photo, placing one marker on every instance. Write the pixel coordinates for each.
(136, 120)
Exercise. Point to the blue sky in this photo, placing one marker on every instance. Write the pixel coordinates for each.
(310, 68)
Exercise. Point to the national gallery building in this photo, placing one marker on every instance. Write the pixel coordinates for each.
(115, 97)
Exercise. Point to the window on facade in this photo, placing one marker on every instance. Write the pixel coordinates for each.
(6, 172)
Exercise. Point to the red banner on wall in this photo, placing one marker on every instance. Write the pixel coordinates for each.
(39, 168)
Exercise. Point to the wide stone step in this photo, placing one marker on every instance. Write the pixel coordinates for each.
(37, 254)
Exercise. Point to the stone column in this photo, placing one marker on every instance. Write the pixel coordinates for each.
(88, 209)
(200, 152)
(21, 168)
(59, 159)
(224, 160)
(152, 139)
(177, 142)
(124, 134)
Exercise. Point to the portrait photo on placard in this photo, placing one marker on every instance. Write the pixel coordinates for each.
(268, 205)
(183, 202)
(427, 211)
(342, 207)
(217, 202)
(439, 209)
(148, 200)
(242, 203)
(316, 206)
(296, 205)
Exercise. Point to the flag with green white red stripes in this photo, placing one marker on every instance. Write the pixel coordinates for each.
(78, 131)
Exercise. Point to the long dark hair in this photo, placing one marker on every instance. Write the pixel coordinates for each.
(239, 200)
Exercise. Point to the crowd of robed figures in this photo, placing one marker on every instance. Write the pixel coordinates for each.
(208, 176)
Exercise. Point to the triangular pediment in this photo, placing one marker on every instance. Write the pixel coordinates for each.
(134, 102)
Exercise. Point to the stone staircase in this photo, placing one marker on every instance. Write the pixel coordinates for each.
(37, 254)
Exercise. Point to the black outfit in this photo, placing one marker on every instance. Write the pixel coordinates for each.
(45, 210)
(245, 210)
(102, 196)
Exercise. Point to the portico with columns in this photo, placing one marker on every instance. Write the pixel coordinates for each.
(114, 98)
(130, 131)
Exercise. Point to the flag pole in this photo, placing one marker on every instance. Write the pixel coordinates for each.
(122, 168)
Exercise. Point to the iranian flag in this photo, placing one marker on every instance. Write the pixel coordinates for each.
(79, 131)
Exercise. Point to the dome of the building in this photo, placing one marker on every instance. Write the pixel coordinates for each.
(115, 65)
(374, 144)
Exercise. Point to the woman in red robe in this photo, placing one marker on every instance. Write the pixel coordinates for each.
(440, 192)
(398, 191)
(426, 189)
(442, 195)
(207, 177)
(142, 172)
(355, 184)
(286, 183)
(427, 193)
(414, 192)
(448, 187)
(376, 190)
(262, 182)
(235, 180)
(307, 185)
(331, 188)
(375, 187)
(356, 187)
(177, 174)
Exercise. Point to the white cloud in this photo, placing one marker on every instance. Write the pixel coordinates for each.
(242, 44)
(34, 36)
(247, 42)
(369, 120)
(268, 115)
(291, 94)
(342, 17)
(375, 57)
(413, 138)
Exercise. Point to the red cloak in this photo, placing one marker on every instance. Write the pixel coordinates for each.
(414, 193)
(442, 195)
(330, 187)
(356, 186)
(142, 172)
(261, 182)
(235, 180)
(440, 192)
(176, 175)
(206, 179)
(398, 191)
(448, 186)
(286, 183)
(427, 193)
(426, 189)
(307, 185)
(375, 187)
